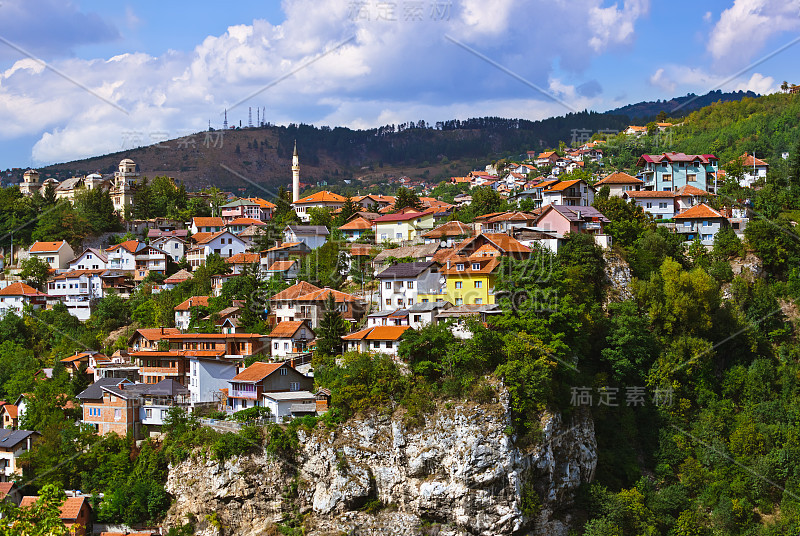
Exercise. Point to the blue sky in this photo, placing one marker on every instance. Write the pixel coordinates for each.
(120, 75)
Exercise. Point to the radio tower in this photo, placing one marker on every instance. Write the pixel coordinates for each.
(258, 117)
(225, 123)
(263, 116)
(250, 116)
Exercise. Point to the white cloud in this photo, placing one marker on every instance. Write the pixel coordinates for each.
(701, 81)
(392, 71)
(744, 28)
(660, 79)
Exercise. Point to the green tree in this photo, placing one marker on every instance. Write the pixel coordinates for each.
(406, 197)
(35, 272)
(628, 221)
(42, 518)
(331, 330)
(348, 209)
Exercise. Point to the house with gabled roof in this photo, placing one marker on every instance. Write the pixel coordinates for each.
(248, 387)
(177, 278)
(17, 295)
(247, 207)
(286, 269)
(403, 226)
(575, 193)
(9, 492)
(9, 416)
(317, 200)
(283, 252)
(123, 256)
(13, 444)
(240, 260)
(355, 227)
(313, 236)
(89, 259)
(547, 158)
(700, 222)
(402, 283)
(223, 243)
(448, 233)
(754, 169)
(503, 244)
(377, 339)
(564, 219)
(56, 254)
(290, 337)
(670, 171)
(174, 246)
(78, 290)
(183, 311)
(237, 225)
(206, 224)
(618, 183)
(661, 205)
(75, 512)
(148, 338)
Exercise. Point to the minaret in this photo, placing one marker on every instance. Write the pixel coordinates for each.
(295, 175)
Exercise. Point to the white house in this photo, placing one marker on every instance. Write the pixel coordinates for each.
(401, 283)
(661, 205)
(208, 376)
(313, 236)
(290, 338)
(318, 200)
(754, 169)
(173, 246)
(209, 224)
(422, 314)
(90, 259)
(700, 222)
(223, 243)
(123, 256)
(284, 404)
(56, 254)
(574, 193)
(150, 259)
(378, 339)
(17, 295)
(13, 443)
(618, 183)
(77, 290)
(183, 311)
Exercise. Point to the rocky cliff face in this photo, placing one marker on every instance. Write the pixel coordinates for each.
(618, 277)
(458, 474)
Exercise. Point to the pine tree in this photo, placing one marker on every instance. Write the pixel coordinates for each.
(406, 197)
(331, 329)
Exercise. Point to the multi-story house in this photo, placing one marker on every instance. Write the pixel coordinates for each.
(9, 416)
(283, 252)
(313, 236)
(668, 172)
(157, 365)
(548, 158)
(699, 222)
(206, 224)
(248, 387)
(304, 301)
(150, 259)
(13, 443)
(318, 200)
(208, 376)
(618, 183)
(183, 311)
(290, 337)
(248, 207)
(123, 256)
(283, 305)
(505, 222)
(660, 205)
(378, 339)
(588, 220)
(90, 259)
(56, 254)
(469, 279)
(240, 260)
(17, 295)
(754, 169)
(149, 338)
(288, 270)
(223, 243)
(232, 345)
(402, 227)
(78, 290)
(574, 193)
(401, 283)
(174, 246)
(375, 202)
(237, 225)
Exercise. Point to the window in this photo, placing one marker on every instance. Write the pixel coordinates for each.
(117, 414)
(376, 344)
(417, 318)
(478, 301)
(388, 344)
(459, 284)
(244, 404)
(476, 266)
(478, 284)
(148, 413)
(276, 346)
(399, 301)
(284, 372)
(409, 284)
(286, 346)
(706, 223)
(459, 301)
(460, 267)
(388, 301)
(294, 386)
(649, 205)
(388, 285)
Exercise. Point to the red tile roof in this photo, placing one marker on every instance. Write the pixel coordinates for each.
(322, 295)
(699, 211)
(402, 217)
(129, 245)
(5, 489)
(749, 160)
(321, 197)
(281, 266)
(244, 258)
(256, 372)
(563, 185)
(194, 301)
(11, 409)
(208, 221)
(618, 177)
(451, 228)
(296, 290)
(246, 221)
(378, 333)
(47, 247)
(356, 225)
(69, 510)
(286, 329)
(20, 289)
(154, 334)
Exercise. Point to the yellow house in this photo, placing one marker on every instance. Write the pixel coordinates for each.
(469, 280)
(403, 226)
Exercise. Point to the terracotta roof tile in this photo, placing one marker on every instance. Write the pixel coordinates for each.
(208, 221)
(321, 197)
(194, 301)
(281, 266)
(451, 228)
(154, 334)
(699, 211)
(47, 247)
(244, 258)
(20, 289)
(378, 333)
(69, 510)
(296, 290)
(356, 224)
(246, 221)
(256, 372)
(286, 329)
(618, 177)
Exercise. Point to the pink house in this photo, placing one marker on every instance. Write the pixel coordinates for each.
(563, 219)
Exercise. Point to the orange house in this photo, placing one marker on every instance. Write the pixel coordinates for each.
(76, 513)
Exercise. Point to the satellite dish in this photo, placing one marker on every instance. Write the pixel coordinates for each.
(442, 280)
(443, 243)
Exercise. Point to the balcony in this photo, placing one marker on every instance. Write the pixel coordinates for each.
(237, 393)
